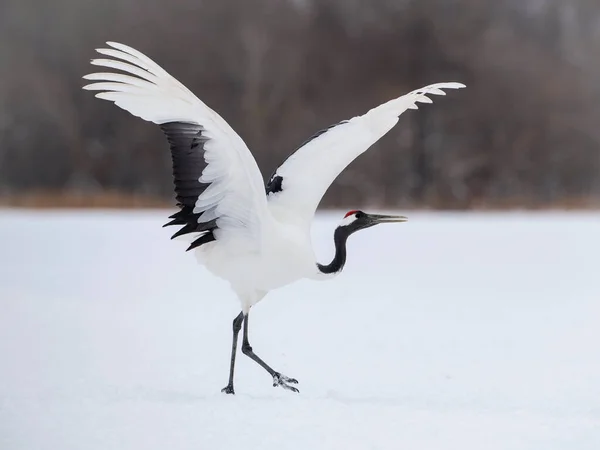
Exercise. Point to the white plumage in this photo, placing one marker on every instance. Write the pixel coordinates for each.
(309, 172)
(255, 240)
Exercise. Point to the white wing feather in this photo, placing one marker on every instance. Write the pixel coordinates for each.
(236, 197)
(308, 173)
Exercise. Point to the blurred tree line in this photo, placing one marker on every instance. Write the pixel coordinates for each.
(525, 132)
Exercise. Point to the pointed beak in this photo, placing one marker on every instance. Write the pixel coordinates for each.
(382, 218)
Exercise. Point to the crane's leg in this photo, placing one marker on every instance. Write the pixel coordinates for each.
(237, 326)
(278, 378)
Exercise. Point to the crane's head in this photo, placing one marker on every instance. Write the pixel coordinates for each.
(353, 221)
(357, 220)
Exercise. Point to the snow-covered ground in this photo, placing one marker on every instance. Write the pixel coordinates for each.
(452, 331)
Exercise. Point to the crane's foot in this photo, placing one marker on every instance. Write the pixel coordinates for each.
(284, 382)
(228, 389)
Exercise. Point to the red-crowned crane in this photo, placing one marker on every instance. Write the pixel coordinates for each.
(256, 238)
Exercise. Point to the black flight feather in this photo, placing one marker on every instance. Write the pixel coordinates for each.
(187, 153)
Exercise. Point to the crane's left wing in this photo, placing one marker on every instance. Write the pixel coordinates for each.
(218, 184)
(297, 186)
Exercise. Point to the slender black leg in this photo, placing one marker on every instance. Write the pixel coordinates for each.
(237, 326)
(278, 378)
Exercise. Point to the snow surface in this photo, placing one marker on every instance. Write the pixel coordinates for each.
(452, 331)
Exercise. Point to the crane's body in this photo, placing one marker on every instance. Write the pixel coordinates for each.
(285, 257)
(254, 236)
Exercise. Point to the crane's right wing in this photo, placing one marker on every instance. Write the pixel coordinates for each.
(218, 184)
(297, 186)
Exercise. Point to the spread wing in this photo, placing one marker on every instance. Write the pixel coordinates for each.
(218, 185)
(297, 186)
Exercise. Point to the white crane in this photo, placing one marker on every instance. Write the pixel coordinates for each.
(255, 238)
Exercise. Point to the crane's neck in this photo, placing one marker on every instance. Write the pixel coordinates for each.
(340, 236)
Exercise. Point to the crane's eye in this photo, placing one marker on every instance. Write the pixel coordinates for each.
(359, 215)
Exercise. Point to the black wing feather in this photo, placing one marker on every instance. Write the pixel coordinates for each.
(274, 184)
(319, 133)
(187, 153)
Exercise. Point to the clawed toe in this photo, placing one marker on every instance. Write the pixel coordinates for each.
(282, 380)
(288, 380)
(228, 390)
(289, 388)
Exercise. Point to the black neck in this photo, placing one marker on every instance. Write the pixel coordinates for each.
(339, 238)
